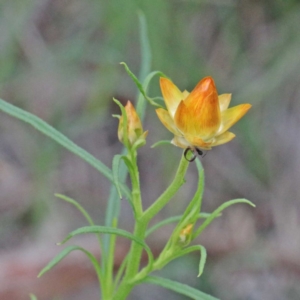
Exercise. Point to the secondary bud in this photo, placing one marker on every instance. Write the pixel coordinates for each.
(134, 128)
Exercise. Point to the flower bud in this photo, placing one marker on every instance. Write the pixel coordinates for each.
(134, 128)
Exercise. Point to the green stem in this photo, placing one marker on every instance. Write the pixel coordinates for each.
(136, 250)
(108, 286)
(120, 272)
(166, 196)
(141, 225)
(136, 189)
(134, 258)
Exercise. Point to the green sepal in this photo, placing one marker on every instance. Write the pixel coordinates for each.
(141, 141)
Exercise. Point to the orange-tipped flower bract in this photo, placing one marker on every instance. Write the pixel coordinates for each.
(134, 125)
(199, 119)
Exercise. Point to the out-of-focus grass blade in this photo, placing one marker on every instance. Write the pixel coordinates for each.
(178, 287)
(115, 169)
(145, 47)
(113, 206)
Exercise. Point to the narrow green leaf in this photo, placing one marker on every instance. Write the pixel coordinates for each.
(83, 211)
(203, 256)
(172, 220)
(141, 103)
(178, 287)
(216, 212)
(78, 206)
(159, 98)
(66, 252)
(185, 251)
(109, 230)
(32, 297)
(160, 143)
(115, 170)
(61, 139)
(139, 85)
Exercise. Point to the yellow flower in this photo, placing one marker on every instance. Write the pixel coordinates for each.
(134, 126)
(200, 119)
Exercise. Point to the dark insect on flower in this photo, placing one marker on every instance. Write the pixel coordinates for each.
(199, 152)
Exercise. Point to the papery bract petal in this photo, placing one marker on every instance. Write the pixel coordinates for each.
(172, 95)
(135, 129)
(182, 119)
(199, 119)
(181, 142)
(185, 93)
(133, 118)
(231, 115)
(134, 126)
(167, 121)
(198, 142)
(224, 101)
(199, 114)
(223, 138)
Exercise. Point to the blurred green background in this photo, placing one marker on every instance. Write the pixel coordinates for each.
(59, 59)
